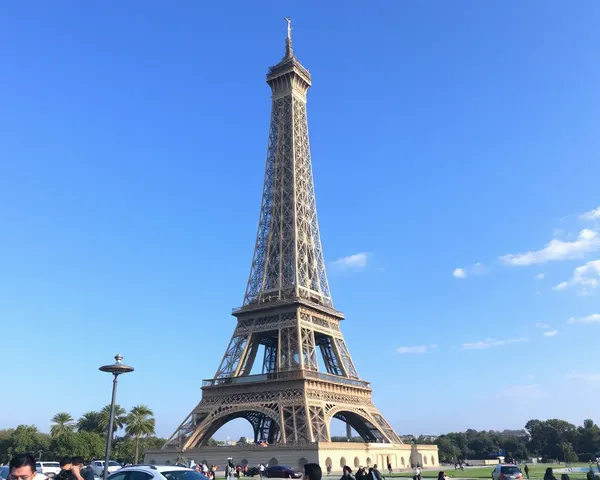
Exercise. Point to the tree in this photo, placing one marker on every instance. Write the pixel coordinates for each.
(27, 438)
(90, 422)
(82, 444)
(140, 423)
(569, 454)
(119, 421)
(589, 440)
(61, 423)
(447, 449)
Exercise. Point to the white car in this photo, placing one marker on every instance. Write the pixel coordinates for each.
(98, 467)
(157, 472)
(50, 469)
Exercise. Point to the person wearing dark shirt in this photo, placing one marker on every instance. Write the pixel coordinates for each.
(375, 473)
(65, 464)
(549, 475)
(312, 471)
(80, 471)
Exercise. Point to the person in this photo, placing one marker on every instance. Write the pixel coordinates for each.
(22, 467)
(526, 469)
(312, 471)
(441, 475)
(65, 465)
(229, 469)
(549, 475)
(416, 472)
(390, 471)
(375, 473)
(564, 476)
(590, 474)
(328, 469)
(79, 471)
(347, 473)
(261, 470)
(361, 473)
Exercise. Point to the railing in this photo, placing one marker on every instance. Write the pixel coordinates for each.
(279, 376)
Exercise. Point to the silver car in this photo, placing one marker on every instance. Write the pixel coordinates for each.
(507, 472)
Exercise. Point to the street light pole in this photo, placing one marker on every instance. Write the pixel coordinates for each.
(116, 369)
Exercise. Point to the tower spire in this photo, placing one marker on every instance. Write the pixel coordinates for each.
(289, 51)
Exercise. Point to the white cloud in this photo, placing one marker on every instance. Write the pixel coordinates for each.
(358, 261)
(543, 326)
(561, 286)
(531, 377)
(459, 273)
(524, 391)
(478, 269)
(432, 346)
(551, 333)
(490, 343)
(584, 377)
(593, 318)
(586, 278)
(475, 269)
(591, 215)
(587, 241)
(418, 349)
(539, 276)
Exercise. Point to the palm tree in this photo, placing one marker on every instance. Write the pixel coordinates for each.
(119, 421)
(90, 422)
(61, 423)
(140, 422)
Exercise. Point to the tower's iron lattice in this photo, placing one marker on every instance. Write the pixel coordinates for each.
(287, 310)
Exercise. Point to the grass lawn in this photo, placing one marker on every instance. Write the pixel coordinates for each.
(535, 471)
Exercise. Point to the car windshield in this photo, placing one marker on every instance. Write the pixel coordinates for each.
(183, 475)
(113, 464)
(50, 464)
(510, 470)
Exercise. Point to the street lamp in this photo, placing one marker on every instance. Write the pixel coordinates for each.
(116, 369)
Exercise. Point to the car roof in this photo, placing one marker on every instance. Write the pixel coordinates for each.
(158, 468)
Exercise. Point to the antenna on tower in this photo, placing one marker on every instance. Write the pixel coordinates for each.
(289, 52)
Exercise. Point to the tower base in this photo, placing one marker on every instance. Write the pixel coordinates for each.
(335, 454)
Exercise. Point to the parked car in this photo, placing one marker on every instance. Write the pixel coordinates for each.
(4, 472)
(156, 472)
(98, 467)
(50, 469)
(507, 472)
(252, 472)
(280, 471)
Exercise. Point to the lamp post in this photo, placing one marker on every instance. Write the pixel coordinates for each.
(116, 369)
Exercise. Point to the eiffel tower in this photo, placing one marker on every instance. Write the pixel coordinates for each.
(287, 313)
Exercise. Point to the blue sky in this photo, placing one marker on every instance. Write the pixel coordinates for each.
(448, 141)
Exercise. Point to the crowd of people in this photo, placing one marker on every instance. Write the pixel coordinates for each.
(362, 473)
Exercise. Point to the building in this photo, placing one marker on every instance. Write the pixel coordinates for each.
(288, 316)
